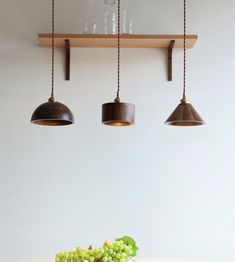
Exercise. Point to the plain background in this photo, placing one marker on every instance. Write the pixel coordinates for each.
(172, 189)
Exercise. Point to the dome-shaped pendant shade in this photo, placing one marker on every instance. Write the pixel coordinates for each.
(52, 114)
(118, 114)
(185, 115)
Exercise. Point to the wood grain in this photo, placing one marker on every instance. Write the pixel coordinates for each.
(127, 41)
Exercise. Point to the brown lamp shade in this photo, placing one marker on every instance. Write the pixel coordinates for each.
(118, 114)
(184, 115)
(52, 114)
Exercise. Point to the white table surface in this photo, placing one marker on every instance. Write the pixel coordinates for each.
(137, 260)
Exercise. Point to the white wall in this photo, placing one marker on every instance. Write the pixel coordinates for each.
(170, 188)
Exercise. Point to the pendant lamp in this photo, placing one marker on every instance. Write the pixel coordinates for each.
(184, 114)
(52, 113)
(118, 113)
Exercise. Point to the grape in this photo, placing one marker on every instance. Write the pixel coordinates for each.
(105, 259)
(101, 250)
(119, 251)
(110, 251)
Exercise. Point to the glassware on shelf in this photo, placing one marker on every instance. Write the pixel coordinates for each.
(86, 28)
(114, 24)
(127, 27)
(124, 30)
(89, 27)
(130, 27)
(109, 3)
(106, 16)
(110, 24)
(110, 19)
(93, 27)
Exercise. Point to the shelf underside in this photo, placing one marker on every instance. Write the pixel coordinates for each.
(127, 41)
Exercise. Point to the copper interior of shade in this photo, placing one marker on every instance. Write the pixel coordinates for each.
(52, 114)
(185, 115)
(115, 123)
(51, 122)
(118, 114)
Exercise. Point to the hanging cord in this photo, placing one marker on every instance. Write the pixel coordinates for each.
(52, 98)
(184, 77)
(118, 99)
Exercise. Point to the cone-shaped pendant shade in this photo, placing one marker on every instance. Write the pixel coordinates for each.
(185, 115)
(52, 113)
(118, 114)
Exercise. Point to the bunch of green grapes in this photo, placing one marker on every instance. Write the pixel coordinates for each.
(119, 251)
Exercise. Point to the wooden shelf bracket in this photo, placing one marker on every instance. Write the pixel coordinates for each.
(67, 59)
(170, 51)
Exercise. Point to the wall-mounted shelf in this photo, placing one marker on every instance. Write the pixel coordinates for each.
(127, 41)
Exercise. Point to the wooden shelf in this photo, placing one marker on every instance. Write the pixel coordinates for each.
(127, 41)
(131, 41)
